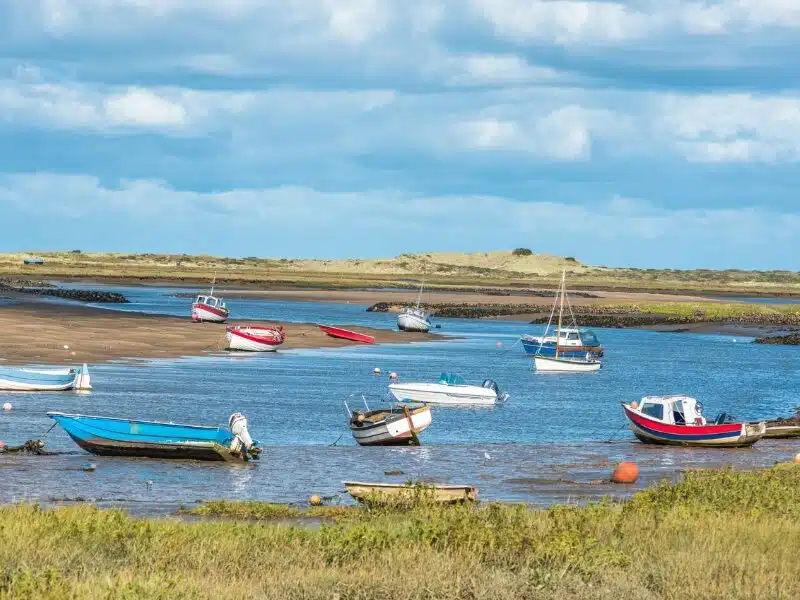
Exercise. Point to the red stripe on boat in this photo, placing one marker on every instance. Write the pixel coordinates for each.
(272, 340)
(211, 309)
(347, 334)
(686, 430)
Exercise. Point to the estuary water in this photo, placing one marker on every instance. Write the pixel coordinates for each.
(555, 440)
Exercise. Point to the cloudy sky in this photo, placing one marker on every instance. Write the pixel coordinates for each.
(650, 133)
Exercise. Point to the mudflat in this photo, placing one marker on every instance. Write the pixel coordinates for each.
(35, 332)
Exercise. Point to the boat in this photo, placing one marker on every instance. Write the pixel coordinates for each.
(347, 334)
(413, 318)
(783, 428)
(108, 436)
(398, 425)
(678, 421)
(210, 308)
(450, 389)
(254, 338)
(573, 341)
(44, 380)
(554, 361)
(387, 492)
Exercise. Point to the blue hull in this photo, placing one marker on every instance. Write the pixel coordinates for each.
(549, 349)
(12, 379)
(124, 437)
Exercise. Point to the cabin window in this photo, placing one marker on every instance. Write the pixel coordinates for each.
(572, 336)
(590, 339)
(653, 410)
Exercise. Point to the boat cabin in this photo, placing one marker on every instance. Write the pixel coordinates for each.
(211, 301)
(571, 336)
(672, 410)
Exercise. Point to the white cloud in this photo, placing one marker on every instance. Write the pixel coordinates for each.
(483, 69)
(143, 107)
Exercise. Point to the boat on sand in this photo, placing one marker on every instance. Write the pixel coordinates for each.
(413, 318)
(376, 493)
(254, 338)
(109, 436)
(347, 334)
(208, 307)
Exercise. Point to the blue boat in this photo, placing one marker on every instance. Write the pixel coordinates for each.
(152, 439)
(44, 380)
(572, 341)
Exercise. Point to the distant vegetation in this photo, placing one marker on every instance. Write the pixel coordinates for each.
(735, 532)
(522, 252)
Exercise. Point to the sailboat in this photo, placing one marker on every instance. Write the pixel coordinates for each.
(414, 318)
(207, 307)
(562, 362)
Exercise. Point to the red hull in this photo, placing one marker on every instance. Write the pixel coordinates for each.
(346, 334)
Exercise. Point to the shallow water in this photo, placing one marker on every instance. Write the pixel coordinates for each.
(548, 443)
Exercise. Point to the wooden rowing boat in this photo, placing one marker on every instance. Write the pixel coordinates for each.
(393, 492)
(347, 334)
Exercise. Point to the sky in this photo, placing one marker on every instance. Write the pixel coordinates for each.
(644, 133)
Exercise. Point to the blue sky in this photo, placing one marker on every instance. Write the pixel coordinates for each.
(648, 133)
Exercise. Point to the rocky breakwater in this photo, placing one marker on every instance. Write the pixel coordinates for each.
(462, 311)
(37, 288)
(791, 339)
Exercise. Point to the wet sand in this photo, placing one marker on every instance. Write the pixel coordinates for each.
(37, 333)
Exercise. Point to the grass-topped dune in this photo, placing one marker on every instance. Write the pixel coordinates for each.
(720, 534)
(517, 269)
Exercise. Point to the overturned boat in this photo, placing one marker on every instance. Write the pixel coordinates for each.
(678, 421)
(108, 436)
(254, 338)
(398, 425)
(44, 380)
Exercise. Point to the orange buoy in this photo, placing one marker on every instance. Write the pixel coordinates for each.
(797, 459)
(393, 375)
(315, 500)
(626, 472)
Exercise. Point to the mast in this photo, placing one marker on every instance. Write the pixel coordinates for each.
(213, 281)
(561, 309)
(419, 298)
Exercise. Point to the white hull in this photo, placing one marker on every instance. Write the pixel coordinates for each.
(245, 341)
(200, 313)
(407, 322)
(394, 431)
(81, 381)
(438, 393)
(563, 365)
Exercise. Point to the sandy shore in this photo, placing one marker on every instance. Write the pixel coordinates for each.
(37, 333)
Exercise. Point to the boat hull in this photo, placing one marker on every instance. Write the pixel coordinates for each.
(549, 349)
(121, 437)
(438, 393)
(729, 435)
(547, 364)
(254, 339)
(392, 430)
(44, 380)
(409, 322)
(781, 432)
(204, 312)
(388, 492)
(347, 334)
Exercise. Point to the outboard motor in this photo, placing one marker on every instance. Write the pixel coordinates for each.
(492, 385)
(242, 442)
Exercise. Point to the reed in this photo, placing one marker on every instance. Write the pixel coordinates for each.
(719, 534)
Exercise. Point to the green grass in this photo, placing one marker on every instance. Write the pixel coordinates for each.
(715, 535)
(779, 314)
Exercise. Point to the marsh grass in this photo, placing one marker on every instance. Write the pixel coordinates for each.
(714, 535)
(704, 311)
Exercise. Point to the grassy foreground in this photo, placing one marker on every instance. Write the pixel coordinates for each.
(720, 534)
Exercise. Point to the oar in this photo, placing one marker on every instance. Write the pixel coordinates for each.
(414, 439)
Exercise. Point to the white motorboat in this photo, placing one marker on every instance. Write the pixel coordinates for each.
(395, 426)
(44, 380)
(414, 318)
(451, 389)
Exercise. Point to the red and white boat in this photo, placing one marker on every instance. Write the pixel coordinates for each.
(347, 334)
(207, 307)
(254, 338)
(678, 421)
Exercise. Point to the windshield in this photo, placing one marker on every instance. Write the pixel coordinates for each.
(589, 338)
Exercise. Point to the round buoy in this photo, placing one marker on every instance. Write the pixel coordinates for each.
(499, 344)
(626, 472)
(66, 347)
(315, 500)
(393, 375)
(797, 459)
(2, 446)
(7, 406)
(376, 370)
(72, 353)
(634, 405)
(89, 467)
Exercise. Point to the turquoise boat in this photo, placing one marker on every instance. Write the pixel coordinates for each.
(14, 379)
(153, 439)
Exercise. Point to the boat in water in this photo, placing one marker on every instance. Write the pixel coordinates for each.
(108, 436)
(407, 492)
(210, 308)
(678, 421)
(398, 425)
(254, 338)
(450, 389)
(347, 334)
(44, 380)
(572, 341)
(547, 360)
(413, 318)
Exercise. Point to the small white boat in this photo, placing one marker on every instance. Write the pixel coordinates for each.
(254, 338)
(207, 307)
(451, 389)
(414, 318)
(44, 380)
(556, 360)
(395, 426)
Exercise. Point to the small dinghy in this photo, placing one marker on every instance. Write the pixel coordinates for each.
(394, 492)
(347, 334)
(451, 389)
(44, 380)
(395, 426)
(254, 338)
(678, 421)
(153, 439)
